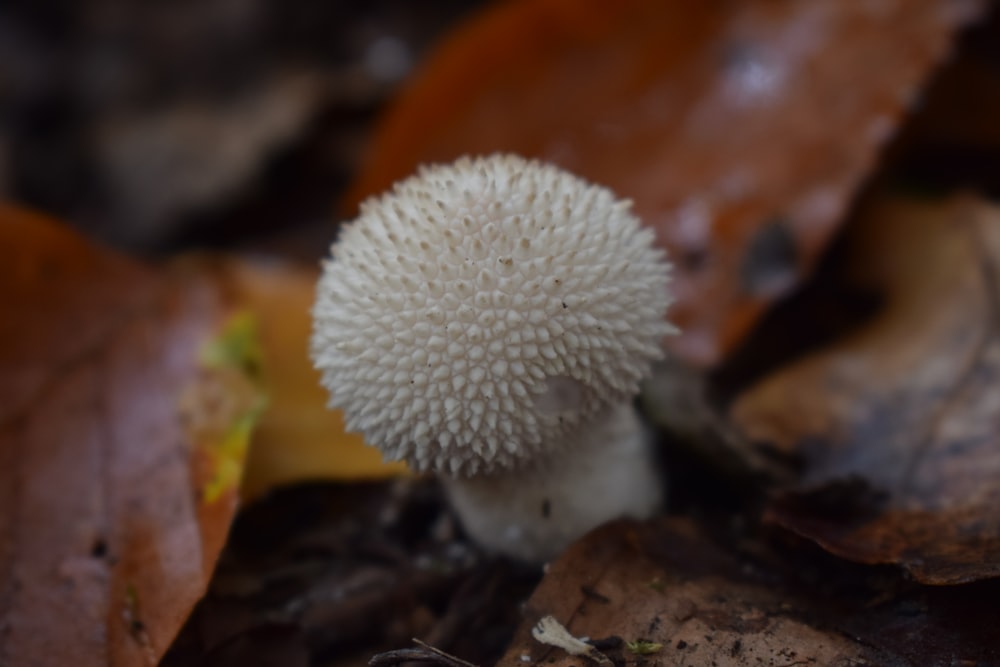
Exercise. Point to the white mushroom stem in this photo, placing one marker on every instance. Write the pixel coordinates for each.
(609, 471)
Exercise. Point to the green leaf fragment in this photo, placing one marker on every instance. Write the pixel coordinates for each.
(235, 351)
(643, 647)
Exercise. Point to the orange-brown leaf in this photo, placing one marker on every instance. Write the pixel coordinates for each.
(106, 537)
(739, 129)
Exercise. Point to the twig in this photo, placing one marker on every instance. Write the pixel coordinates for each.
(425, 653)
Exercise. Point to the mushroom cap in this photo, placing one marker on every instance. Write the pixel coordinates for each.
(476, 315)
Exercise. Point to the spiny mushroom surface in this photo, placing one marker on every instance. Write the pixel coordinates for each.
(476, 316)
(478, 313)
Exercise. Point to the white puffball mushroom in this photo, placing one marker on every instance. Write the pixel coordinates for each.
(490, 320)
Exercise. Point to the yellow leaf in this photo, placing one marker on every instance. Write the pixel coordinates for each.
(222, 406)
(297, 438)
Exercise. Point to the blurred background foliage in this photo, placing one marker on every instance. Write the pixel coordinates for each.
(160, 125)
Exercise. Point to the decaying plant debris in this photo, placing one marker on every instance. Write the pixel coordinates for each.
(827, 419)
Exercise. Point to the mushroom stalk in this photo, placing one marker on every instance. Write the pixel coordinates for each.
(490, 321)
(535, 514)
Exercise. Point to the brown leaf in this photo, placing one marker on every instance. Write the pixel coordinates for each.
(113, 505)
(44, 266)
(897, 424)
(740, 130)
(630, 587)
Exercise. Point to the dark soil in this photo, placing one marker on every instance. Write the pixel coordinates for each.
(331, 574)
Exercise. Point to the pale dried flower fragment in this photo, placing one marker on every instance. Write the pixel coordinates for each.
(551, 632)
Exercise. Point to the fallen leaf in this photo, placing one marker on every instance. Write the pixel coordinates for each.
(115, 498)
(48, 271)
(897, 424)
(669, 584)
(740, 130)
(297, 438)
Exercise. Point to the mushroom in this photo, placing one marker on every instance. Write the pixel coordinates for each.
(491, 320)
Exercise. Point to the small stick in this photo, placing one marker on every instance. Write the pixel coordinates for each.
(426, 653)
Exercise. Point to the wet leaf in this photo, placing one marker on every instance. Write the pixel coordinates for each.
(740, 130)
(666, 583)
(896, 424)
(115, 495)
(297, 438)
